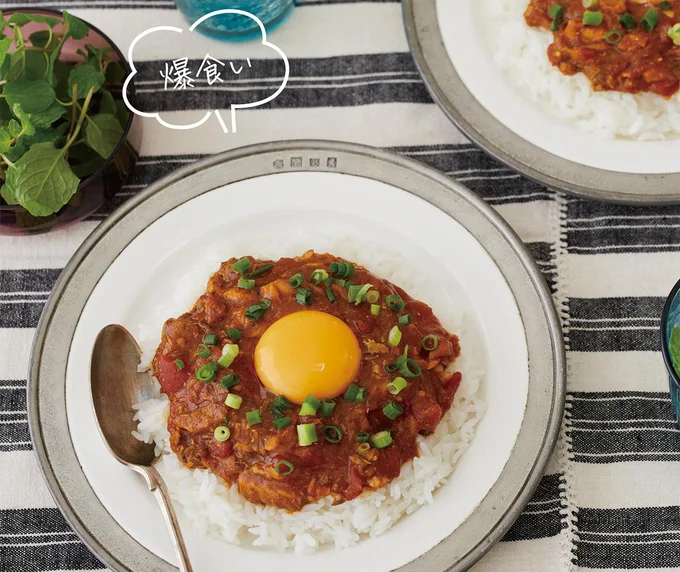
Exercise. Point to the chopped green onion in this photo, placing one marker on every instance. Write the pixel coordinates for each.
(226, 421)
(281, 423)
(592, 18)
(665, 6)
(353, 292)
(234, 334)
(375, 309)
(613, 37)
(253, 417)
(381, 439)
(229, 353)
(393, 410)
(234, 401)
(284, 468)
(363, 437)
(342, 269)
(649, 20)
(405, 320)
(589, 3)
(179, 363)
(259, 271)
(221, 433)
(310, 406)
(318, 276)
(430, 342)
(394, 302)
(230, 380)
(361, 295)
(363, 447)
(328, 282)
(246, 284)
(332, 433)
(355, 393)
(203, 351)
(330, 295)
(211, 339)
(327, 407)
(276, 413)
(410, 368)
(296, 280)
(396, 385)
(674, 34)
(281, 402)
(306, 434)
(241, 266)
(394, 337)
(340, 282)
(373, 297)
(256, 311)
(206, 372)
(556, 11)
(627, 21)
(303, 296)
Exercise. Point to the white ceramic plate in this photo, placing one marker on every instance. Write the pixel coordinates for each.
(194, 215)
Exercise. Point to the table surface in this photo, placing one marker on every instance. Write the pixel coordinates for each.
(610, 498)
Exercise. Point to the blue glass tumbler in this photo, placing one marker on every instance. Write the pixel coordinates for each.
(235, 26)
(670, 318)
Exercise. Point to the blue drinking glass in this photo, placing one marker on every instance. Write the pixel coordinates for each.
(669, 319)
(235, 26)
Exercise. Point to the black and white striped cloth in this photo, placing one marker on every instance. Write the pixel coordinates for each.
(611, 496)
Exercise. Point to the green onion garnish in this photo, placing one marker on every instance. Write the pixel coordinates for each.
(396, 385)
(330, 295)
(221, 433)
(556, 12)
(362, 437)
(206, 372)
(332, 433)
(253, 417)
(613, 37)
(430, 342)
(203, 351)
(281, 403)
(375, 309)
(405, 320)
(627, 21)
(281, 423)
(229, 353)
(306, 434)
(674, 34)
(355, 393)
(352, 293)
(591, 18)
(394, 337)
(318, 276)
(361, 294)
(241, 266)
(230, 380)
(340, 282)
(342, 269)
(246, 284)
(381, 439)
(310, 406)
(303, 296)
(410, 368)
(211, 339)
(363, 447)
(256, 311)
(393, 410)
(665, 6)
(296, 280)
(234, 334)
(649, 20)
(179, 363)
(284, 468)
(373, 297)
(589, 3)
(276, 413)
(259, 271)
(234, 401)
(394, 302)
(327, 407)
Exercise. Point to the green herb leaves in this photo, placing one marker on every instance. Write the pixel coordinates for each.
(83, 78)
(102, 133)
(76, 27)
(33, 95)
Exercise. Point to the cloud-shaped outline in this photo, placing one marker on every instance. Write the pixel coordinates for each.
(235, 106)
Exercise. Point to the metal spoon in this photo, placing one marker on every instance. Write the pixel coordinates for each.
(116, 386)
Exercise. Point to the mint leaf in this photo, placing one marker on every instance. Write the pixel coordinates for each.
(5, 43)
(76, 27)
(674, 348)
(14, 127)
(85, 77)
(34, 96)
(5, 139)
(51, 135)
(115, 73)
(21, 19)
(108, 103)
(83, 160)
(17, 150)
(26, 125)
(46, 117)
(42, 180)
(103, 133)
(40, 38)
(7, 192)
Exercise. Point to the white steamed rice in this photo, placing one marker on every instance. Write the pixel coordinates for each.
(220, 511)
(521, 51)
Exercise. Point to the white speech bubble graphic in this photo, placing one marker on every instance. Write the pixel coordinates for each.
(234, 106)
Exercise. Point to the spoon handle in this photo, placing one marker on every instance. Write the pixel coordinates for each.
(159, 489)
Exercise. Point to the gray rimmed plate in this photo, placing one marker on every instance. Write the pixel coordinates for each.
(473, 261)
(485, 104)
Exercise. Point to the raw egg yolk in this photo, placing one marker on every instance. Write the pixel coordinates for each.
(307, 353)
